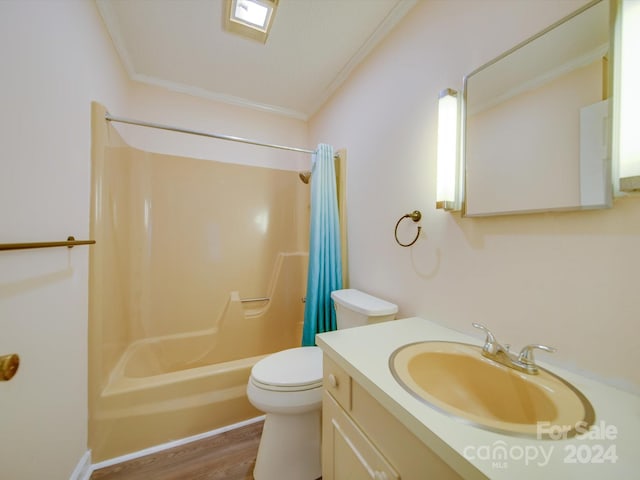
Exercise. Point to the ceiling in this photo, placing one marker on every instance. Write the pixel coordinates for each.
(312, 48)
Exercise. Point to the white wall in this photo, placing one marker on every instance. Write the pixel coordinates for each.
(56, 58)
(160, 106)
(564, 279)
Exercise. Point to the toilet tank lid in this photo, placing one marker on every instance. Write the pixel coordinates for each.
(363, 303)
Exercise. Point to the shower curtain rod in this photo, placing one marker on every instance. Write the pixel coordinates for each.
(111, 118)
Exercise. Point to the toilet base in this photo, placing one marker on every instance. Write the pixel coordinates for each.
(290, 447)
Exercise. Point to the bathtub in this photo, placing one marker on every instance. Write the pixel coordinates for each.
(137, 413)
(141, 407)
(172, 387)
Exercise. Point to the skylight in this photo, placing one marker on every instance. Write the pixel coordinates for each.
(250, 18)
(253, 13)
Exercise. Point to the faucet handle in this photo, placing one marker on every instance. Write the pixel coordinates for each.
(480, 326)
(526, 354)
(490, 343)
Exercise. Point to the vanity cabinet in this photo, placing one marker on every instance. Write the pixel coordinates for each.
(361, 440)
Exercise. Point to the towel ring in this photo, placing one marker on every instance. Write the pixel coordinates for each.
(415, 216)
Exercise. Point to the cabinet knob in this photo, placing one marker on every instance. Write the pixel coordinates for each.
(333, 381)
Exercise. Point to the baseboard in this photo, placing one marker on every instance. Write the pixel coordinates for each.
(84, 469)
(166, 446)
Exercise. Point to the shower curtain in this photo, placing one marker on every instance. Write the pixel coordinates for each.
(325, 264)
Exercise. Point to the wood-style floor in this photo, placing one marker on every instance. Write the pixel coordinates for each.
(228, 456)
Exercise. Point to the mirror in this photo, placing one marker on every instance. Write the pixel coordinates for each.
(537, 123)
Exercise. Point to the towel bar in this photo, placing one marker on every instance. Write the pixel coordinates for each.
(257, 299)
(70, 243)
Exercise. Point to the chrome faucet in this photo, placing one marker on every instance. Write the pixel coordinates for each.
(523, 362)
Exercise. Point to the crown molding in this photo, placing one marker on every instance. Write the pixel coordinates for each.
(218, 97)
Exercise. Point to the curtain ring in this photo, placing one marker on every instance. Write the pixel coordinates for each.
(415, 216)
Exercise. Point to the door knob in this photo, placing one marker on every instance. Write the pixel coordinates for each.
(8, 366)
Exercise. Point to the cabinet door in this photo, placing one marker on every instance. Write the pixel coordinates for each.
(347, 452)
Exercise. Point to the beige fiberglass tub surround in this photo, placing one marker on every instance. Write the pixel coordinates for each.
(200, 271)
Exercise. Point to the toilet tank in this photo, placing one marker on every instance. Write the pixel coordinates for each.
(355, 308)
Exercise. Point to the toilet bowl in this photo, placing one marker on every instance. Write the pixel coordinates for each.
(287, 386)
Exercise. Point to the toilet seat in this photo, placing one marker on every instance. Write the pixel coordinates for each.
(295, 369)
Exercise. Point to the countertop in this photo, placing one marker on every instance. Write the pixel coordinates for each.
(608, 450)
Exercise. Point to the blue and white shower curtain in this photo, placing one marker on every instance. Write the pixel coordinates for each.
(325, 262)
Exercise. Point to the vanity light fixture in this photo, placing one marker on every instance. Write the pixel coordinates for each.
(447, 161)
(250, 18)
(629, 106)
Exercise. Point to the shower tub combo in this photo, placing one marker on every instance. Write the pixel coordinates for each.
(177, 321)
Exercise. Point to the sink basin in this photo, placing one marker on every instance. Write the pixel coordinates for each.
(458, 380)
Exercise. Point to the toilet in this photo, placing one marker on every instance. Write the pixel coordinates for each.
(287, 386)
